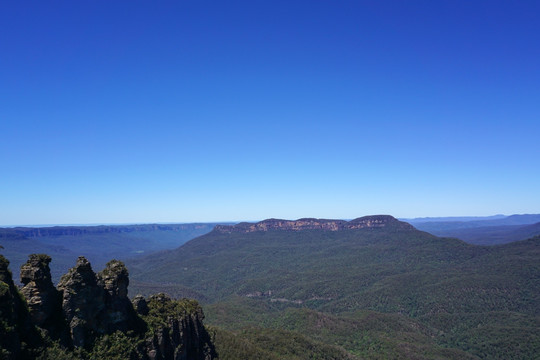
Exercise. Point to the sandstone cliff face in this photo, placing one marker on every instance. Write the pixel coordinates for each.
(87, 306)
(118, 311)
(82, 302)
(41, 296)
(93, 304)
(369, 222)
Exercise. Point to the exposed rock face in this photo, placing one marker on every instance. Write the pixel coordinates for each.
(95, 305)
(9, 309)
(376, 221)
(119, 313)
(115, 279)
(41, 296)
(87, 305)
(82, 302)
(140, 305)
(179, 334)
(16, 328)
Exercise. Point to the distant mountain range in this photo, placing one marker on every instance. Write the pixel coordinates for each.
(492, 230)
(370, 288)
(98, 243)
(453, 218)
(475, 221)
(492, 235)
(476, 301)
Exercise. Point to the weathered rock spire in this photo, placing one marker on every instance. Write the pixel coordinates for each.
(41, 296)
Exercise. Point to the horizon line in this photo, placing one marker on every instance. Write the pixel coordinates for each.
(229, 221)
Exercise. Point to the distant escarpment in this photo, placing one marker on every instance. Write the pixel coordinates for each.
(90, 316)
(366, 222)
(32, 232)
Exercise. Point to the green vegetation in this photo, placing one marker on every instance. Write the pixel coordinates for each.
(117, 346)
(162, 309)
(273, 344)
(365, 334)
(128, 345)
(375, 293)
(442, 289)
(160, 328)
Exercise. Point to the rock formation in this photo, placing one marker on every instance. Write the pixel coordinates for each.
(140, 305)
(82, 302)
(118, 313)
(179, 335)
(366, 222)
(86, 307)
(17, 333)
(96, 305)
(41, 296)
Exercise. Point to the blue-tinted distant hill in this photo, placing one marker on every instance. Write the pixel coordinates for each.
(454, 218)
(492, 230)
(98, 243)
(472, 221)
(492, 235)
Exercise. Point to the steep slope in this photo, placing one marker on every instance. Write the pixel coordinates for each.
(17, 334)
(374, 263)
(89, 316)
(364, 334)
(257, 343)
(299, 263)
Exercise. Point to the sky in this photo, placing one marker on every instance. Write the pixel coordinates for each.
(199, 111)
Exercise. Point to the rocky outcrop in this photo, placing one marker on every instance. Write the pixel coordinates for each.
(82, 302)
(17, 334)
(366, 222)
(41, 296)
(86, 306)
(93, 304)
(118, 313)
(179, 333)
(140, 305)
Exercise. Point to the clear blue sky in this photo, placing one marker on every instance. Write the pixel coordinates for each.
(181, 111)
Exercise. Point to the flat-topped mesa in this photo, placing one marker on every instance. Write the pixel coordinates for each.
(378, 221)
(374, 221)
